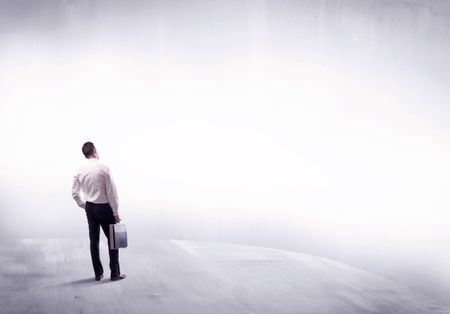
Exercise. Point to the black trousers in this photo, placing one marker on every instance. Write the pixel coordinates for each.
(101, 215)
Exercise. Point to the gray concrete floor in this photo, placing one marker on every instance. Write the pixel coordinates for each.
(55, 276)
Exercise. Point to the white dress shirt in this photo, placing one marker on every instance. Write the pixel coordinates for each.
(95, 181)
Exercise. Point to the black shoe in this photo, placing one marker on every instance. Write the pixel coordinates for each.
(120, 277)
(98, 278)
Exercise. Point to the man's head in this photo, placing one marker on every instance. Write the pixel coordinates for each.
(89, 150)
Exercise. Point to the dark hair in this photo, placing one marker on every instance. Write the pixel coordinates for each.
(88, 149)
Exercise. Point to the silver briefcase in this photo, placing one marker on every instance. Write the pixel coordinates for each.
(118, 236)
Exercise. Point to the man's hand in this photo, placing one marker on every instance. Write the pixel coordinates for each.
(117, 218)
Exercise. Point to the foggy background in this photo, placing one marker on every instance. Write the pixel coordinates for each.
(315, 126)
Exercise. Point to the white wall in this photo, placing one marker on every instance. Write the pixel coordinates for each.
(317, 126)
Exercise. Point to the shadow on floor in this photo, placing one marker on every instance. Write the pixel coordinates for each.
(86, 281)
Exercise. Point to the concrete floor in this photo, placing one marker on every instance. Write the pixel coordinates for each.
(55, 276)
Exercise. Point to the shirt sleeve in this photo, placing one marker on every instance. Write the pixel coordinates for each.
(111, 192)
(76, 192)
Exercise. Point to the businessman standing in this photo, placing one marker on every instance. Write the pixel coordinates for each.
(101, 205)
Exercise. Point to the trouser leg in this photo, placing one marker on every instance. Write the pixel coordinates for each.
(114, 262)
(94, 237)
(95, 257)
(107, 218)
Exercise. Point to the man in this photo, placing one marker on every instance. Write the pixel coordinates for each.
(101, 206)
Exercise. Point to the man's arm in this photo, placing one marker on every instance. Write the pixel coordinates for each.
(76, 188)
(111, 192)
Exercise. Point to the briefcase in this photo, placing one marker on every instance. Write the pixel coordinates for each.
(118, 236)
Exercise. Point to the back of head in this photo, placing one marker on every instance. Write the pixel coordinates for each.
(88, 149)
